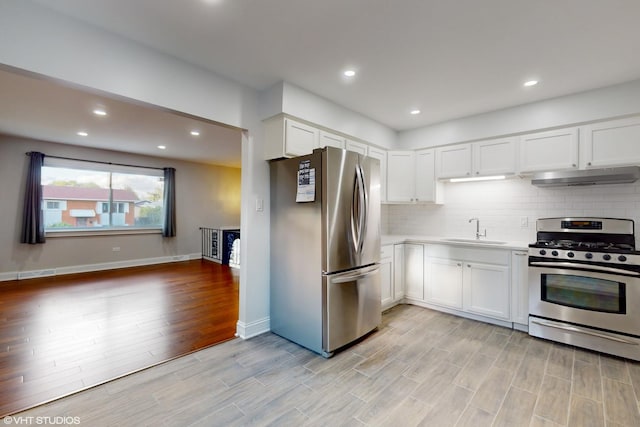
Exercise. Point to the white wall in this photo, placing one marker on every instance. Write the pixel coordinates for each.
(612, 101)
(500, 205)
(308, 106)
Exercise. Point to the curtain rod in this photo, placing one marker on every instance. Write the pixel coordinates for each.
(28, 153)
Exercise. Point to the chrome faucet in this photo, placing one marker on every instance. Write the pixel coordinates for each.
(478, 235)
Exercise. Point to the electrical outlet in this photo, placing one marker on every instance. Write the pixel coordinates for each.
(524, 222)
(116, 249)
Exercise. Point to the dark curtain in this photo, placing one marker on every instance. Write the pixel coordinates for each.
(169, 226)
(33, 217)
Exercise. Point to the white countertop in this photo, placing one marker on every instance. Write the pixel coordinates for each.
(387, 239)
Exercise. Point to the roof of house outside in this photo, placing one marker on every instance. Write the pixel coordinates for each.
(84, 193)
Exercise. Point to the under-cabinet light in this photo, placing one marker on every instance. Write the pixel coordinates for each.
(478, 178)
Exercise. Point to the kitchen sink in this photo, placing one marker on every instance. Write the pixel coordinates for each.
(476, 241)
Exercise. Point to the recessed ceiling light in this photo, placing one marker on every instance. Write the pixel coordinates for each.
(82, 133)
(530, 83)
(99, 112)
(162, 147)
(195, 133)
(414, 112)
(349, 73)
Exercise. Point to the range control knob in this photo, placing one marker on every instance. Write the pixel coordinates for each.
(554, 253)
(543, 252)
(606, 257)
(589, 255)
(570, 254)
(622, 258)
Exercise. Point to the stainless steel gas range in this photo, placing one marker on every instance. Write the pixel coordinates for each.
(584, 284)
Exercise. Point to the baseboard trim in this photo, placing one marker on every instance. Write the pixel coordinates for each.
(252, 329)
(31, 274)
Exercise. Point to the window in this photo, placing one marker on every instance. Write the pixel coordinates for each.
(86, 196)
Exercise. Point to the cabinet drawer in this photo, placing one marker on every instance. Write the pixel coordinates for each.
(484, 255)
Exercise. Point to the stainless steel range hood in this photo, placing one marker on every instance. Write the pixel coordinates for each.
(587, 177)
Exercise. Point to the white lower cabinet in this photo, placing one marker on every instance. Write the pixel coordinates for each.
(444, 284)
(414, 270)
(486, 290)
(520, 288)
(471, 280)
(386, 276)
(398, 272)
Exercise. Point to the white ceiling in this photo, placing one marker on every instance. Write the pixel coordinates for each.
(48, 111)
(448, 58)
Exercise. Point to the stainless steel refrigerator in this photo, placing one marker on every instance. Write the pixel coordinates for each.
(325, 248)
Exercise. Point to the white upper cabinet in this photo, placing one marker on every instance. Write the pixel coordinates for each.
(358, 147)
(611, 143)
(427, 188)
(286, 137)
(328, 139)
(484, 158)
(401, 176)
(550, 150)
(494, 157)
(453, 161)
(380, 154)
(411, 177)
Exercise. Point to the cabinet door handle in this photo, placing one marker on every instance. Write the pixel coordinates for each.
(469, 265)
(459, 265)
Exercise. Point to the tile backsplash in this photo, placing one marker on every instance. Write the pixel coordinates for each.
(503, 206)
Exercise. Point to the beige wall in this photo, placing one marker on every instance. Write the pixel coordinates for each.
(205, 196)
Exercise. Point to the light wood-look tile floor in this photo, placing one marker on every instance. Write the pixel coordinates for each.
(421, 367)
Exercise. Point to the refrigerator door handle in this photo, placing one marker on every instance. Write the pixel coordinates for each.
(355, 214)
(354, 275)
(359, 210)
(364, 199)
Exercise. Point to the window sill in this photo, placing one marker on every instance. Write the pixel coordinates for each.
(108, 232)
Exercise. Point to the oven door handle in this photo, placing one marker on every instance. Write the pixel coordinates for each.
(582, 331)
(582, 267)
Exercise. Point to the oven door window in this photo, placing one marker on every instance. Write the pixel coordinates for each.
(588, 293)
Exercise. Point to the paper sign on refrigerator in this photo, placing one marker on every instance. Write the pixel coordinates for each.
(306, 182)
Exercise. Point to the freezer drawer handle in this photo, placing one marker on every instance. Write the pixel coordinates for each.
(355, 276)
(582, 331)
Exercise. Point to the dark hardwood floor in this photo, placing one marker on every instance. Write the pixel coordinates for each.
(62, 334)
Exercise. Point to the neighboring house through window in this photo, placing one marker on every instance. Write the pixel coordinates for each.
(83, 195)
